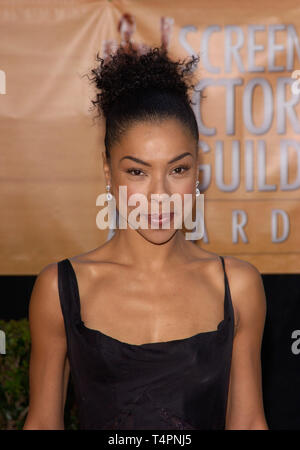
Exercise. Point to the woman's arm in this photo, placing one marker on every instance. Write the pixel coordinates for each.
(245, 409)
(49, 367)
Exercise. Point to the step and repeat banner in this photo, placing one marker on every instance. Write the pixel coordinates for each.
(50, 160)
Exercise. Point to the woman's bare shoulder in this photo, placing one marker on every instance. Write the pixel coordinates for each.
(242, 270)
(103, 253)
(233, 263)
(244, 279)
(247, 289)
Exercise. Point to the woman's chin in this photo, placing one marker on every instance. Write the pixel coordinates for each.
(157, 236)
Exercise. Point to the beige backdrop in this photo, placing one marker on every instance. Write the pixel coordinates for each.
(51, 165)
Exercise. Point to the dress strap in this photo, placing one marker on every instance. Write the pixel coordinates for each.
(68, 292)
(228, 307)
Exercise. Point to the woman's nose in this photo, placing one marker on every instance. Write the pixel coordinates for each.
(159, 202)
(159, 187)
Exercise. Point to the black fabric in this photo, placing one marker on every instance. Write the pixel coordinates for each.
(177, 384)
(280, 352)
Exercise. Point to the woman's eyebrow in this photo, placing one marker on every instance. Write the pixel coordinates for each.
(149, 165)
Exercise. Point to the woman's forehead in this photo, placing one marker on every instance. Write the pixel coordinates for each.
(155, 140)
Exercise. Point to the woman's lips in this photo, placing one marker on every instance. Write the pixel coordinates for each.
(160, 218)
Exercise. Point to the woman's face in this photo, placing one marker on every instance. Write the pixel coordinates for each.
(144, 163)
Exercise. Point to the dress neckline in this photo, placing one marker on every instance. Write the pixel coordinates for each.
(157, 343)
(150, 344)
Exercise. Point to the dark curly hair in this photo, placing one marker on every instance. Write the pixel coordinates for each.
(142, 87)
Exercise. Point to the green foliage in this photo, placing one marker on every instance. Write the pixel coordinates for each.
(14, 379)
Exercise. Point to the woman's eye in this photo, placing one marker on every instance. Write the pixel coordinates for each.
(185, 168)
(134, 170)
(137, 172)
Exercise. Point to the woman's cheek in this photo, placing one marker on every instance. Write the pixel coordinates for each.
(125, 197)
(186, 203)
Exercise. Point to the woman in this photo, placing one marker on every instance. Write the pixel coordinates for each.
(147, 325)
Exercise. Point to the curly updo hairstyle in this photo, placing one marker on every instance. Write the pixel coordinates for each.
(137, 87)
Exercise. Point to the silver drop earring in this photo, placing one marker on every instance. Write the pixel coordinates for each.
(197, 189)
(108, 195)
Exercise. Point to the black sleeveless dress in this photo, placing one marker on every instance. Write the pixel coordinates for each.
(178, 384)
